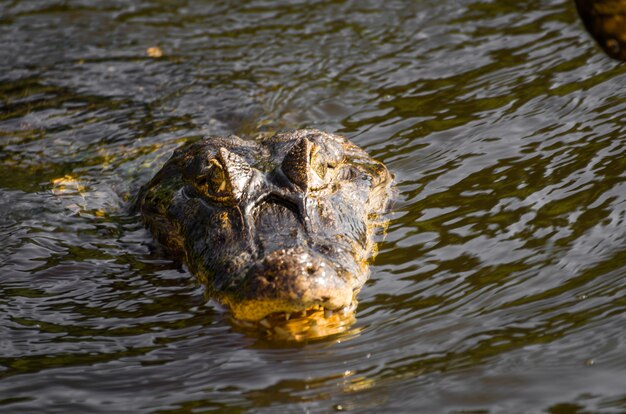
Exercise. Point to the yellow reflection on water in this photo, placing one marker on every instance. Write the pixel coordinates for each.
(67, 185)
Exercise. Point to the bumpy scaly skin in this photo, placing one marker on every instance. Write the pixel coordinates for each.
(280, 225)
(606, 21)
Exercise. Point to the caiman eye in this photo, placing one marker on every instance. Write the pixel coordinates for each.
(225, 178)
(318, 166)
(214, 181)
(306, 167)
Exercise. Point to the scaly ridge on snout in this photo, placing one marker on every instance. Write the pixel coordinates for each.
(275, 228)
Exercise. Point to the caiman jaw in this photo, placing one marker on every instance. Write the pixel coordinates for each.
(310, 323)
(294, 294)
(256, 310)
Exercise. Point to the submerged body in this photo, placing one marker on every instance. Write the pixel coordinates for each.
(273, 228)
(606, 21)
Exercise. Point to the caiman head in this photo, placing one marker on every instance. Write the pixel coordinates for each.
(278, 229)
(606, 21)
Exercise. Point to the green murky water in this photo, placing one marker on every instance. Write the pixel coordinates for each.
(501, 287)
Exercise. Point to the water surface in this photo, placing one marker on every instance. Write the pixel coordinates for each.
(501, 286)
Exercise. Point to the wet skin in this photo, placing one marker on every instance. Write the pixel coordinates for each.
(606, 21)
(281, 226)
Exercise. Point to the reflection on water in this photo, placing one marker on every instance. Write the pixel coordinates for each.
(501, 286)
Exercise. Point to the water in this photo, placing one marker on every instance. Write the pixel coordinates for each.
(501, 286)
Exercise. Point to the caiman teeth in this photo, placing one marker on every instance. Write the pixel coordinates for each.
(282, 332)
(313, 322)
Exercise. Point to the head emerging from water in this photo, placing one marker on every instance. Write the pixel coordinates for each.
(279, 229)
(606, 21)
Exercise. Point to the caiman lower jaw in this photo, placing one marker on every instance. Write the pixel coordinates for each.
(296, 324)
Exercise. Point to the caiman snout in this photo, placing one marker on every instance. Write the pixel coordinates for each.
(291, 280)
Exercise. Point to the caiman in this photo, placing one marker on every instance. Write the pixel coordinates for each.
(606, 21)
(280, 230)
